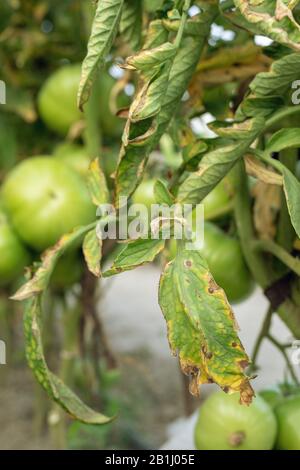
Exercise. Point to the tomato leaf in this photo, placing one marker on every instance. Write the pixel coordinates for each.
(217, 163)
(201, 326)
(92, 250)
(41, 278)
(270, 89)
(131, 23)
(54, 387)
(97, 184)
(104, 31)
(274, 19)
(284, 138)
(291, 188)
(136, 253)
(141, 137)
(162, 194)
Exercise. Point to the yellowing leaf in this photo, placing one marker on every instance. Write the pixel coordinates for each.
(201, 326)
(92, 250)
(274, 19)
(54, 387)
(97, 184)
(104, 30)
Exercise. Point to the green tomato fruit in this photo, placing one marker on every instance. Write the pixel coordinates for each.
(224, 424)
(288, 418)
(45, 199)
(225, 259)
(75, 156)
(218, 202)
(144, 194)
(14, 256)
(57, 100)
(273, 396)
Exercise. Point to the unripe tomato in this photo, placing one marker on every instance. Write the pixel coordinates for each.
(224, 256)
(225, 424)
(75, 156)
(218, 201)
(45, 199)
(14, 256)
(57, 100)
(288, 418)
(144, 194)
(273, 396)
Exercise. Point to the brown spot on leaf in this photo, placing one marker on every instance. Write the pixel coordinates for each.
(188, 263)
(206, 353)
(212, 286)
(244, 363)
(234, 344)
(226, 389)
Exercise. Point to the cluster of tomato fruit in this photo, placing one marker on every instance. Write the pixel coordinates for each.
(44, 197)
(271, 422)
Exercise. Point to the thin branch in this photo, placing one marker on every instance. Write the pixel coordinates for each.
(282, 349)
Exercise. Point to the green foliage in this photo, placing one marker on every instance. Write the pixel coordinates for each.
(180, 68)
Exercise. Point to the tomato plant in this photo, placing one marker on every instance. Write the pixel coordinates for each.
(153, 76)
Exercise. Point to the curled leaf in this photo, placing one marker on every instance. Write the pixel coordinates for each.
(97, 184)
(104, 31)
(92, 250)
(54, 387)
(274, 19)
(135, 253)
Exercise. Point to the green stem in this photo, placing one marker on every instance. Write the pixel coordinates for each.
(184, 18)
(282, 349)
(242, 208)
(280, 253)
(286, 233)
(288, 311)
(262, 335)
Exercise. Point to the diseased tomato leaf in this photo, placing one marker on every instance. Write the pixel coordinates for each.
(104, 30)
(131, 23)
(272, 18)
(97, 184)
(41, 278)
(159, 94)
(135, 253)
(217, 163)
(92, 250)
(54, 387)
(202, 327)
